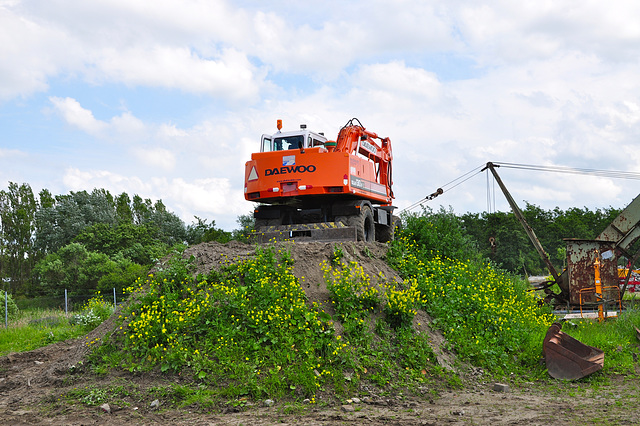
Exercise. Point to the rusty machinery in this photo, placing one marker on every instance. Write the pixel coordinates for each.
(578, 286)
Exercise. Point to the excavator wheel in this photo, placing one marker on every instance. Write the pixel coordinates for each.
(386, 233)
(364, 224)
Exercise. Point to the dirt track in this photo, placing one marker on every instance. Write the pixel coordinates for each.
(32, 384)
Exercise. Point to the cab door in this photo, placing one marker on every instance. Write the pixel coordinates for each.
(267, 143)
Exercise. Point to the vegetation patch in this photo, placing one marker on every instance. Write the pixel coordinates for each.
(248, 331)
(489, 317)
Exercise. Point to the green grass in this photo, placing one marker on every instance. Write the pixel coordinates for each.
(35, 328)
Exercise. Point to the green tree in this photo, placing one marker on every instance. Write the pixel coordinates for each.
(200, 232)
(247, 223)
(17, 214)
(82, 272)
(59, 223)
(441, 232)
(124, 213)
(134, 242)
(501, 238)
(141, 209)
(170, 229)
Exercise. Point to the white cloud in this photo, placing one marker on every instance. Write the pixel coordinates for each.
(11, 153)
(212, 195)
(78, 180)
(500, 31)
(124, 128)
(229, 74)
(74, 114)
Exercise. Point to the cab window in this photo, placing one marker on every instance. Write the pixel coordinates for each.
(288, 142)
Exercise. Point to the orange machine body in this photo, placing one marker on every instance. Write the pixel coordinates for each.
(304, 168)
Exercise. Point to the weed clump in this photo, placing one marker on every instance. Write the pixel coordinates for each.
(11, 310)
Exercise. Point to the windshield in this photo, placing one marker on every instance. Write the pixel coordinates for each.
(288, 142)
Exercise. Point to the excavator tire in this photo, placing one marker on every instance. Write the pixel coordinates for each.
(364, 224)
(386, 233)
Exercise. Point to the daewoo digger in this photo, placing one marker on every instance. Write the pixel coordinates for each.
(314, 188)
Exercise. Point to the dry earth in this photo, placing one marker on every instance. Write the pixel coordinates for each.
(33, 384)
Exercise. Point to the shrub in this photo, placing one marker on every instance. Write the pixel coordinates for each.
(350, 288)
(401, 303)
(488, 316)
(439, 234)
(12, 308)
(94, 312)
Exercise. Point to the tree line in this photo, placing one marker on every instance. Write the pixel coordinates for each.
(87, 241)
(500, 238)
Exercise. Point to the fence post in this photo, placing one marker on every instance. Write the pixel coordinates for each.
(6, 310)
(66, 310)
(115, 305)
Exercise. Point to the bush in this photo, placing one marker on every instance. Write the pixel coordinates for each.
(439, 234)
(487, 316)
(94, 312)
(12, 308)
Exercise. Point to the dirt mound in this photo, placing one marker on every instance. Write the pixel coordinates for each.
(308, 258)
(25, 377)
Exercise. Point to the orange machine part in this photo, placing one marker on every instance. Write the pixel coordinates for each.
(272, 176)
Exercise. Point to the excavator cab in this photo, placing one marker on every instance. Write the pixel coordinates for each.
(300, 139)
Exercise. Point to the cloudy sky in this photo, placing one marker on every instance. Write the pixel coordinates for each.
(167, 98)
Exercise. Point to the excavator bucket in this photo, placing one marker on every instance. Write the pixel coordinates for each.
(568, 358)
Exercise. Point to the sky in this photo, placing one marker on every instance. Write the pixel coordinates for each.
(167, 99)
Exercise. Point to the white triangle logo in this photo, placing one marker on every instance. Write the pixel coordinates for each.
(253, 174)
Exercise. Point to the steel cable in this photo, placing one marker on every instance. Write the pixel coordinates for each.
(614, 174)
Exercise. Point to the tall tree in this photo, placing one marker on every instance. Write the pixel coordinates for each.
(59, 222)
(17, 213)
(141, 209)
(124, 214)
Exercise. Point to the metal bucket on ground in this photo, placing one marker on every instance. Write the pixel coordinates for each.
(568, 358)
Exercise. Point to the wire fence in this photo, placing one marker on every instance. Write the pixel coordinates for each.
(67, 303)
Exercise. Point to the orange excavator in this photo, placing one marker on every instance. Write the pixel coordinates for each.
(309, 187)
